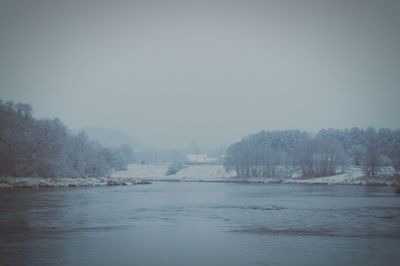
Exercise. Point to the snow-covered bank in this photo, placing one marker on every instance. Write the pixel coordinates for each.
(217, 173)
(39, 182)
(144, 173)
(188, 173)
(353, 176)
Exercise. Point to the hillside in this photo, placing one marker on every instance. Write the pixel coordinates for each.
(111, 137)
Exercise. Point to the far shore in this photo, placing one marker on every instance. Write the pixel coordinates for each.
(137, 174)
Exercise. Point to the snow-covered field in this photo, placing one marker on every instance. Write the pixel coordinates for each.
(144, 173)
(216, 173)
(353, 176)
(188, 173)
(147, 171)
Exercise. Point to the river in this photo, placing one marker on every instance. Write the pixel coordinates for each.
(189, 223)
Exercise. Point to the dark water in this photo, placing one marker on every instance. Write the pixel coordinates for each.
(201, 224)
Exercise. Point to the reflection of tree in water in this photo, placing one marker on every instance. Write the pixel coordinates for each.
(26, 231)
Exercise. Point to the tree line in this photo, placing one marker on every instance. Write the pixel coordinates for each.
(47, 148)
(289, 152)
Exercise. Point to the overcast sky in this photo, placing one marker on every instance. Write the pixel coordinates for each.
(212, 71)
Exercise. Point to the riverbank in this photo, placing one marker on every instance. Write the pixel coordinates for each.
(40, 182)
(137, 174)
(217, 173)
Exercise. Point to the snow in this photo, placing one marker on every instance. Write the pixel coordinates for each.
(144, 173)
(204, 173)
(217, 173)
(156, 172)
(38, 182)
(352, 176)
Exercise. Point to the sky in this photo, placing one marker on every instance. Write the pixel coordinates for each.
(170, 72)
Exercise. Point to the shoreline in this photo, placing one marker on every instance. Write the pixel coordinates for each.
(41, 183)
(282, 182)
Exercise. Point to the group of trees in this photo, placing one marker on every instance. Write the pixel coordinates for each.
(369, 148)
(46, 148)
(283, 153)
(267, 153)
(319, 157)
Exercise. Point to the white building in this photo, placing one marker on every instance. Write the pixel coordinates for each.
(196, 158)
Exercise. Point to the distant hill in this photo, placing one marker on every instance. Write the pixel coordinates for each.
(111, 137)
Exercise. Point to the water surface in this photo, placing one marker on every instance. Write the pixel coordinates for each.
(200, 224)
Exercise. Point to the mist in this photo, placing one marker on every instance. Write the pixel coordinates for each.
(212, 132)
(170, 72)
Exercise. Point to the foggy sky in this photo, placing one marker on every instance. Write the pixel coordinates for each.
(212, 71)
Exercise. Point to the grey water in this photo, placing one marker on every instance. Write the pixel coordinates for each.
(179, 223)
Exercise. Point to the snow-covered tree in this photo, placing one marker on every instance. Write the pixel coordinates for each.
(44, 147)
